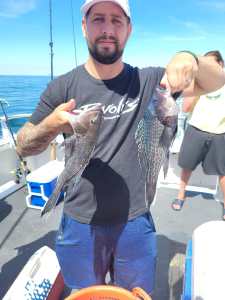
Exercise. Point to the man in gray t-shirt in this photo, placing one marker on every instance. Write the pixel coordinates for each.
(106, 224)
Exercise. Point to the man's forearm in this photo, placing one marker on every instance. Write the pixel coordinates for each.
(33, 139)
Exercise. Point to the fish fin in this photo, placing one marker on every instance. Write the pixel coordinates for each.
(52, 201)
(70, 145)
(167, 137)
(174, 135)
(165, 142)
(166, 164)
(150, 190)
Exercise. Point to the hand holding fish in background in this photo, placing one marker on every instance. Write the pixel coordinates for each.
(154, 135)
(78, 150)
(181, 72)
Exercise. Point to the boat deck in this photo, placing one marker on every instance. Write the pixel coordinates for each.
(174, 230)
(23, 232)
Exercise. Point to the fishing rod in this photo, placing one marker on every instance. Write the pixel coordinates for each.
(74, 34)
(51, 38)
(3, 102)
(23, 163)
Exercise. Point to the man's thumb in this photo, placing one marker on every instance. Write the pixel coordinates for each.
(70, 105)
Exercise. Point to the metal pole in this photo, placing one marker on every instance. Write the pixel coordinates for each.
(51, 40)
(74, 34)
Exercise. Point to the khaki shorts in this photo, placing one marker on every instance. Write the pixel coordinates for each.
(202, 147)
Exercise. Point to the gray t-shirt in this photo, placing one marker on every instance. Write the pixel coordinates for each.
(112, 187)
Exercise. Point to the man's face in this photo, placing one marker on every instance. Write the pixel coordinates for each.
(106, 29)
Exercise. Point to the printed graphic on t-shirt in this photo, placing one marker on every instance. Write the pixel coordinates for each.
(113, 111)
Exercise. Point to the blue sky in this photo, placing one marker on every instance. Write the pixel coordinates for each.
(160, 28)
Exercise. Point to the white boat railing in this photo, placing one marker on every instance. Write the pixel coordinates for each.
(14, 126)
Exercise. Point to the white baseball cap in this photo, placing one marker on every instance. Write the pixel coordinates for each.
(122, 3)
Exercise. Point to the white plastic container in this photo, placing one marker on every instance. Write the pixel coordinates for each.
(41, 183)
(40, 278)
(208, 263)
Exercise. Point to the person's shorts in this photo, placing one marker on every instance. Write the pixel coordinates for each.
(128, 251)
(205, 148)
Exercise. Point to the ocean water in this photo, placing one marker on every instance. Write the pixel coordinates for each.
(21, 92)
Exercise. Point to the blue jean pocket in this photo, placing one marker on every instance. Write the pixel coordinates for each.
(68, 232)
(60, 233)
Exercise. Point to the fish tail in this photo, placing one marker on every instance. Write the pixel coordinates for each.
(150, 190)
(166, 164)
(52, 201)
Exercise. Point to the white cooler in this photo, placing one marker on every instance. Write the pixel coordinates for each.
(41, 183)
(40, 278)
(208, 261)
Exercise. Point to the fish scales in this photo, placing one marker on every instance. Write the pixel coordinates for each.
(154, 135)
(78, 151)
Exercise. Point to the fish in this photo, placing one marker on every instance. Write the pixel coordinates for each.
(154, 135)
(79, 148)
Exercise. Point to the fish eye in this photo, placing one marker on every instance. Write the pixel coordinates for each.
(92, 121)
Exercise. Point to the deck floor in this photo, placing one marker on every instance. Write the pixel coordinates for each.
(174, 230)
(23, 232)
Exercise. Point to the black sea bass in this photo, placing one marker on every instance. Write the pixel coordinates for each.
(154, 135)
(78, 150)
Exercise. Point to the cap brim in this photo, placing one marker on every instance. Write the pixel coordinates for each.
(86, 6)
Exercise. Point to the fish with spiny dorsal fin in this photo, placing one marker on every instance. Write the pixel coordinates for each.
(154, 136)
(78, 150)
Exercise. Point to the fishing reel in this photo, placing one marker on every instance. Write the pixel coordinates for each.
(20, 172)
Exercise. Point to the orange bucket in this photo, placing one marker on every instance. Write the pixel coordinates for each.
(107, 292)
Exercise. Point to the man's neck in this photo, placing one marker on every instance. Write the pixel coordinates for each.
(103, 72)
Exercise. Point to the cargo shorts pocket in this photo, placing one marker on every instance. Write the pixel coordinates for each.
(67, 232)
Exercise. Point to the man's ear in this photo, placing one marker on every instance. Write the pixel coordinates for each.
(221, 64)
(84, 27)
(129, 29)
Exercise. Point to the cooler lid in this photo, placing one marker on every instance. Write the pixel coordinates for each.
(47, 172)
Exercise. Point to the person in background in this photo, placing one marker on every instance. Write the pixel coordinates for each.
(106, 223)
(204, 139)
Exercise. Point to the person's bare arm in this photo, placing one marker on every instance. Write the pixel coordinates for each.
(189, 104)
(33, 139)
(183, 73)
(210, 76)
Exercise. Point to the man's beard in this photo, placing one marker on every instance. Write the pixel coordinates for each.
(105, 57)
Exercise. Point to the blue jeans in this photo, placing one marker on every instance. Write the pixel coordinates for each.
(128, 251)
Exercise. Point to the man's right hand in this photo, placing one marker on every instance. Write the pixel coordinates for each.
(60, 116)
